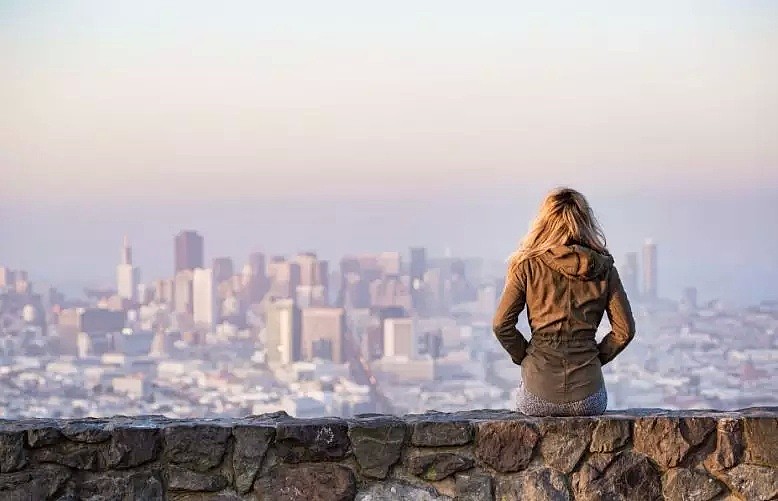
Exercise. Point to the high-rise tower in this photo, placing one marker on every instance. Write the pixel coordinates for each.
(650, 290)
(188, 251)
(127, 275)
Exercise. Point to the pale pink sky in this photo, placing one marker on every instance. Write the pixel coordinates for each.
(183, 102)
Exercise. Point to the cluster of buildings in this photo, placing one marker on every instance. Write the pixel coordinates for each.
(382, 332)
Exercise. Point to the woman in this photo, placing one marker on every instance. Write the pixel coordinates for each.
(564, 274)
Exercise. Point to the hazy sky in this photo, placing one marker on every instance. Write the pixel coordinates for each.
(144, 117)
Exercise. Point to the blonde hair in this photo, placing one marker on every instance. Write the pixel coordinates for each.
(565, 218)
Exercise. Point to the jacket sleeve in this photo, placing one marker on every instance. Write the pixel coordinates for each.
(621, 320)
(507, 315)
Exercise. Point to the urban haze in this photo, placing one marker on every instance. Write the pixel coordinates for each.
(309, 208)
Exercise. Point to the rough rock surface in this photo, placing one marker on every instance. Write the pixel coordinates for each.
(437, 465)
(729, 445)
(683, 484)
(377, 443)
(474, 487)
(668, 440)
(437, 429)
(188, 480)
(541, 484)
(199, 448)
(761, 437)
(610, 435)
(12, 454)
(506, 446)
(308, 482)
(630, 476)
(389, 490)
(564, 442)
(251, 445)
(757, 483)
(312, 440)
(38, 482)
(146, 485)
(475, 455)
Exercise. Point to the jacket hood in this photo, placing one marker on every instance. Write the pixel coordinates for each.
(577, 261)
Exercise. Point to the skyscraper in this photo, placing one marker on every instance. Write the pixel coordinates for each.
(282, 333)
(204, 297)
(650, 290)
(182, 292)
(188, 251)
(222, 269)
(629, 275)
(418, 263)
(127, 275)
(417, 270)
(258, 282)
(322, 335)
(400, 338)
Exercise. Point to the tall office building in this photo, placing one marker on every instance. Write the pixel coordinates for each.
(308, 272)
(400, 338)
(222, 269)
(313, 271)
(418, 264)
(390, 262)
(650, 290)
(282, 332)
(418, 267)
(204, 297)
(127, 275)
(284, 277)
(257, 284)
(629, 275)
(182, 291)
(188, 251)
(7, 277)
(322, 335)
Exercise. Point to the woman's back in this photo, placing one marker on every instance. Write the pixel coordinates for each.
(566, 288)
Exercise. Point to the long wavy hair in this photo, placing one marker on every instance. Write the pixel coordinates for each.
(565, 218)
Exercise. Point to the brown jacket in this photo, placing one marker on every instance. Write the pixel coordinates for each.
(566, 291)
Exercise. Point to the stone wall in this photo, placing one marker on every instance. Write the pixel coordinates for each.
(641, 455)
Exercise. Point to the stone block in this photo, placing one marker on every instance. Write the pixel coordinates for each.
(437, 465)
(436, 429)
(90, 430)
(474, 487)
(668, 440)
(133, 446)
(539, 484)
(324, 439)
(684, 484)
(138, 485)
(36, 482)
(506, 446)
(198, 447)
(251, 445)
(761, 439)
(630, 476)
(13, 457)
(182, 479)
(377, 444)
(395, 490)
(307, 482)
(753, 482)
(564, 442)
(610, 435)
(729, 445)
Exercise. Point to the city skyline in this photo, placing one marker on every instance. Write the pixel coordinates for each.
(347, 126)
